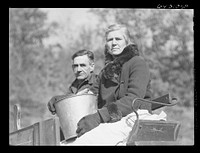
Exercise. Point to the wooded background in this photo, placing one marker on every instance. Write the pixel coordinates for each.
(38, 72)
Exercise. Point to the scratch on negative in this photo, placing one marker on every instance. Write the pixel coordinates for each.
(157, 130)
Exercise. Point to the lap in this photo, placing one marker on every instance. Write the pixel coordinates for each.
(111, 133)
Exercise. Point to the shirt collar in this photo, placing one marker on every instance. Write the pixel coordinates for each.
(90, 80)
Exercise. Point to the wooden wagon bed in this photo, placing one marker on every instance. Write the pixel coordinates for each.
(144, 132)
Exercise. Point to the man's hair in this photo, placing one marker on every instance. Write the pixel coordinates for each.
(121, 27)
(89, 53)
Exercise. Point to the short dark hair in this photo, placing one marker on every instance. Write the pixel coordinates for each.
(89, 53)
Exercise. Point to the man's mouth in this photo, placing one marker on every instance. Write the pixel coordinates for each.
(79, 74)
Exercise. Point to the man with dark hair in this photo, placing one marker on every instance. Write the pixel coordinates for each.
(83, 68)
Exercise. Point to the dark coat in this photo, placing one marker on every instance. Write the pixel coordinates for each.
(75, 87)
(87, 83)
(120, 82)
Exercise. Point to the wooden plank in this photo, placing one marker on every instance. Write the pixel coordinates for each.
(57, 130)
(157, 131)
(36, 134)
(50, 132)
(46, 132)
(157, 143)
(22, 137)
(152, 131)
(17, 117)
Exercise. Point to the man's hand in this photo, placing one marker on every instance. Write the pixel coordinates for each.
(52, 101)
(87, 123)
(51, 105)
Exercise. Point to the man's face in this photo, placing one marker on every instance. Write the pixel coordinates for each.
(82, 67)
(115, 42)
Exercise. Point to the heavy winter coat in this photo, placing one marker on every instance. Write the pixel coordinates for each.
(121, 81)
(87, 83)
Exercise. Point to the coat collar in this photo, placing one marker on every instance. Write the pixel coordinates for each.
(114, 66)
(91, 79)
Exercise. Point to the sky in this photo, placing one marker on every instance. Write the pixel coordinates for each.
(77, 15)
(69, 19)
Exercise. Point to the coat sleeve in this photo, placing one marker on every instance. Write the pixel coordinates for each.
(95, 86)
(69, 91)
(139, 76)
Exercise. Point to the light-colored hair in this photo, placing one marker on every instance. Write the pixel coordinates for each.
(127, 37)
(121, 27)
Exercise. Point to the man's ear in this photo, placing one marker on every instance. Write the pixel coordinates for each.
(92, 67)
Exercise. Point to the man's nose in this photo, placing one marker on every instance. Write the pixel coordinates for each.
(79, 68)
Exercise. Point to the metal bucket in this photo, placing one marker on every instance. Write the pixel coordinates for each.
(71, 109)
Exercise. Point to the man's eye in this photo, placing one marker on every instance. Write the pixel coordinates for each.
(74, 65)
(109, 39)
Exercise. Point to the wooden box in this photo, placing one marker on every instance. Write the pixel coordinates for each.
(46, 132)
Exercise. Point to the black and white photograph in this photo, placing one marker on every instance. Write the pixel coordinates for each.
(101, 76)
